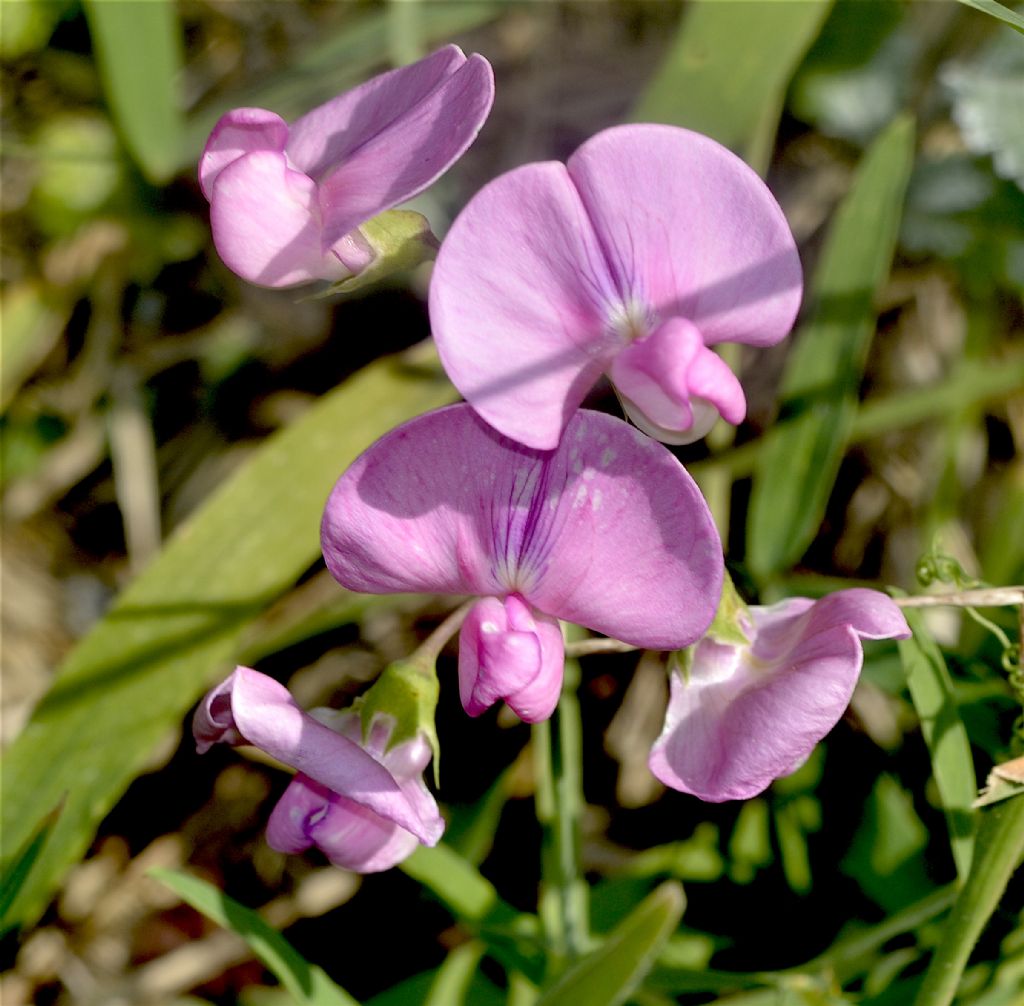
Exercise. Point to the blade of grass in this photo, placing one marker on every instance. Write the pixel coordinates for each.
(307, 983)
(998, 854)
(931, 690)
(798, 460)
(999, 11)
(180, 624)
(701, 85)
(609, 974)
(138, 48)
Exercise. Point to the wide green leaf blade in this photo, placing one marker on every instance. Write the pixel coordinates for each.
(799, 459)
(608, 975)
(703, 86)
(307, 983)
(178, 626)
(931, 690)
(998, 10)
(138, 47)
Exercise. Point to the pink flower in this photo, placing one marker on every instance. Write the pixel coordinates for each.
(649, 246)
(285, 201)
(742, 716)
(363, 804)
(608, 531)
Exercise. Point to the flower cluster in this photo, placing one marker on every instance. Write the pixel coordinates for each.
(633, 260)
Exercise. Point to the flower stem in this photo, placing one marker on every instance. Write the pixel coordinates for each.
(558, 766)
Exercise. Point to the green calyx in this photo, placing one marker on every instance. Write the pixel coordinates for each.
(729, 627)
(400, 240)
(732, 620)
(406, 693)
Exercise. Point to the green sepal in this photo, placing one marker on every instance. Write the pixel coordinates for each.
(406, 693)
(732, 620)
(399, 239)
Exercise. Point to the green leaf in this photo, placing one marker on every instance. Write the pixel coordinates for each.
(798, 461)
(997, 10)
(179, 625)
(31, 320)
(931, 690)
(998, 854)
(307, 983)
(14, 876)
(138, 47)
(451, 983)
(703, 86)
(511, 936)
(608, 975)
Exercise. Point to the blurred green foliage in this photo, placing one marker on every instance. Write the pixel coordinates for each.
(830, 888)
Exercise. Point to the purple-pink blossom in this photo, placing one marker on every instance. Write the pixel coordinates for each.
(286, 201)
(608, 531)
(740, 716)
(649, 246)
(363, 803)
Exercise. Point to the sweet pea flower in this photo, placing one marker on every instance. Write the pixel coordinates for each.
(363, 803)
(742, 715)
(608, 531)
(651, 245)
(286, 201)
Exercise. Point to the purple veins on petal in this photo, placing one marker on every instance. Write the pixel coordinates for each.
(608, 531)
(552, 272)
(747, 715)
(286, 200)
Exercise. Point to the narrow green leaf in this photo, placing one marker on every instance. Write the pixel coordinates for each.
(998, 854)
(511, 937)
(307, 983)
(799, 459)
(178, 626)
(451, 983)
(703, 86)
(31, 320)
(138, 48)
(931, 690)
(608, 975)
(14, 876)
(997, 10)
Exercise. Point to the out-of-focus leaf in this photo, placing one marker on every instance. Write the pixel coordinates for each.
(860, 71)
(31, 322)
(608, 975)
(931, 690)
(884, 857)
(750, 845)
(798, 461)
(178, 626)
(28, 26)
(15, 874)
(988, 94)
(998, 10)
(79, 170)
(138, 47)
(510, 936)
(307, 983)
(703, 86)
(450, 986)
(998, 854)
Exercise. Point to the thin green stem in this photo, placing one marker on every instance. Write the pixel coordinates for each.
(558, 766)
(998, 851)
